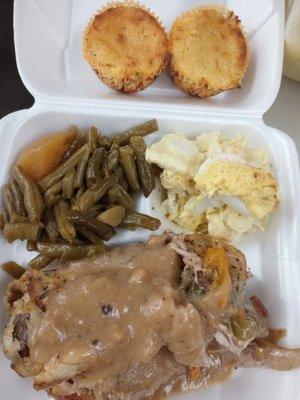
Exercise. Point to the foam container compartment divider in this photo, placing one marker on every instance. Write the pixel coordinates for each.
(48, 48)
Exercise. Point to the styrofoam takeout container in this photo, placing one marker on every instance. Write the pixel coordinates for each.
(48, 47)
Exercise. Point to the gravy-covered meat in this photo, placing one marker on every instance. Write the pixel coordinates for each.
(104, 323)
(137, 321)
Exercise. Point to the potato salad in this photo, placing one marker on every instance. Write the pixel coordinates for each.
(215, 183)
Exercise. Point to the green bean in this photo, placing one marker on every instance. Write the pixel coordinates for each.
(144, 169)
(51, 226)
(13, 269)
(75, 253)
(104, 141)
(77, 196)
(140, 130)
(79, 252)
(53, 250)
(94, 211)
(103, 160)
(53, 194)
(32, 197)
(55, 188)
(114, 146)
(93, 174)
(105, 169)
(73, 130)
(64, 226)
(40, 261)
(31, 245)
(128, 162)
(52, 199)
(90, 197)
(22, 230)
(39, 208)
(138, 145)
(141, 220)
(82, 139)
(67, 186)
(120, 176)
(103, 230)
(123, 198)
(112, 161)
(93, 250)
(18, 198)
(93, 138)
(8, 200)
(63, 168)
(81, 168)
(89, 235)
(112, 196)
(112, 216)
(128, 226)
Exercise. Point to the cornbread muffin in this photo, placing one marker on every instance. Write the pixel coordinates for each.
(126, 46)
(209, 51)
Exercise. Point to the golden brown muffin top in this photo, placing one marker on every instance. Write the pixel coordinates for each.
(124, 44)
(208, 48)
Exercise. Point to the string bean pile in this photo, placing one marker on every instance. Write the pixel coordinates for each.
(70, 212)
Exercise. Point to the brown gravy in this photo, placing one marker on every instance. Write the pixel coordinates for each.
(112, 315)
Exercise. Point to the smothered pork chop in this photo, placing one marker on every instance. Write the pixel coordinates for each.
(140, 320)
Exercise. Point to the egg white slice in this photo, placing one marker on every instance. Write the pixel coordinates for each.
(220, 157)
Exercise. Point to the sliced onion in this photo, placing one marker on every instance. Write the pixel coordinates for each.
(234, 202)
(202, 206)
(220, 157)
(215, 202)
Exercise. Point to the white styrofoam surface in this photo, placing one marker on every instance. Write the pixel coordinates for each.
(273, 255)
(50, 60)
(48, 36)
(284, 113)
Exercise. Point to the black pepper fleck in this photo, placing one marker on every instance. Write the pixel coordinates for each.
(107, 309)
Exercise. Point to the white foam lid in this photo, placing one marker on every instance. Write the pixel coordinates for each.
(48, 37)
